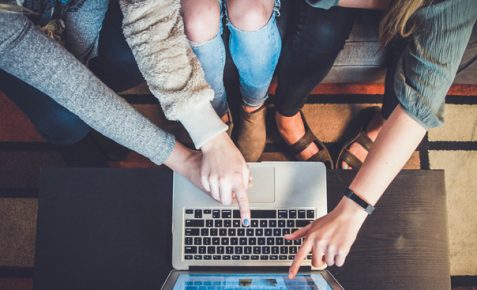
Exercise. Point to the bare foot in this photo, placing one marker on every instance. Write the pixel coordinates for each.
(373, 129)
(292, 129)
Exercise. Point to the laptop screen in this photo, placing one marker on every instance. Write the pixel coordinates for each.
(262, 281)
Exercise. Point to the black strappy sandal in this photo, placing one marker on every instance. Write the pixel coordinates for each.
(361, 137)
(323, 154)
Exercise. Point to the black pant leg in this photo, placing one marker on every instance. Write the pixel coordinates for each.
(314, 41)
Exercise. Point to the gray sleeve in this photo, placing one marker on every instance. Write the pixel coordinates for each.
(323, 4)
(82, 29)
(429, 63)
(41, 62)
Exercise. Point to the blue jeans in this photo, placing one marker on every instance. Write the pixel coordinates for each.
(254, 53)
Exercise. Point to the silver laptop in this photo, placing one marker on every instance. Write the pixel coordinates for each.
(285, 196)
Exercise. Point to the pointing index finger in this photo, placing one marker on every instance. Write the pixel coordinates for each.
(242, 200)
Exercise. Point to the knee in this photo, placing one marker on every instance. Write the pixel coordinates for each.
(201, 19)
(249, 15)
(62, 128)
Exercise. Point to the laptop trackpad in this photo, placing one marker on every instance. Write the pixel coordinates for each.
(263, 189)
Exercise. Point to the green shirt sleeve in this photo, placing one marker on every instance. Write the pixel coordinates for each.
(323, 4)
(429, 62)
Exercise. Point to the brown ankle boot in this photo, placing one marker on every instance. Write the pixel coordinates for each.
(252, 135)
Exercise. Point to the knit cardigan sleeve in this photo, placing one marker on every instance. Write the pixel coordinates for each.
(155, 32)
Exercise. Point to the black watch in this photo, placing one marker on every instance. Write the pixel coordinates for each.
(361, 202)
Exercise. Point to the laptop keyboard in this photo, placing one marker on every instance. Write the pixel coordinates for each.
(217, 234)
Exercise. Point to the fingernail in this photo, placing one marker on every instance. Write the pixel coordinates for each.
(246, 222)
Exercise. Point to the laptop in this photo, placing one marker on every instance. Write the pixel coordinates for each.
(213, 250)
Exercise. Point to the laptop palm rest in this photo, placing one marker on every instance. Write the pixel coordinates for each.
(263, 189)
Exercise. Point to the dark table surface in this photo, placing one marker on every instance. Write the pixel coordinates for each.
(111, 229)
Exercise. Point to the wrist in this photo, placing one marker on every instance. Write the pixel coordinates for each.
(351, 210)
(217, 141)
(179, 158)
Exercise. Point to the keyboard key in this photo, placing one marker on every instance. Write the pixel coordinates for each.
(277, 232)
(232, 232)
(243, 241)
(303, 223)
(188, 241)
(245, 258)
(238, 250)
(216, 213)
(247, 250)
(288, 242)
(292, 214)
(310, 214)
(291, 257)
(272, 223)
(293, 250)
(226, 213)
(227, 223)
(207, 257)
(222, 232)
(209, 223)
(254, 257)
(282, 214)
(197, 241)
(210, 250)
(197, 257)
(275, 250)
(249, 232)
(252, 241)
(283, 250)
(309, 257)
(220, 250)
(274, 257)
(270, 241)
(266, 250)
(290, 223)
(234, 241)
(282, 223)
(229, 250)
(204, 232)
(236, 223)
(286, 231)
(215, 241)
(301, 213)
(261, 241)
(282, 257)
(264, 257)
(257, 250)
(259, 232)
(263, 223)
(297, 242)
(207, 211)
(235, 257)
(207, 241)
(189, 211)
(188, 257)
(268, 232)
(191, 232)
(218, 223)
(225, 241)
(190, 250)
(226, 257)
(213, 232)
(198, 213)
(236, 214)
(264, 214)
(279, 241)
(217, 257)
(202, 250)
(254, 223)
(240, 232)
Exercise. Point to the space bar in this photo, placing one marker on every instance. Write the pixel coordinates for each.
(264, 214)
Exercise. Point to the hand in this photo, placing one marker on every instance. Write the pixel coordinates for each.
(330, 237)
(224, 172)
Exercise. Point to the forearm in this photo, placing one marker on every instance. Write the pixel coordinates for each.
(365, 4)
(29, 55)
(396, 142)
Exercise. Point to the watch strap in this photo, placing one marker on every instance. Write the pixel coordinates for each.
(361, 202)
